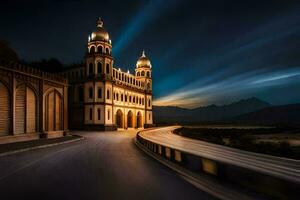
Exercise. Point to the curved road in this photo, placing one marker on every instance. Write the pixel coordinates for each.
(284, 168)
(103, 166)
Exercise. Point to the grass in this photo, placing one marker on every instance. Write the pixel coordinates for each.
(34, 143)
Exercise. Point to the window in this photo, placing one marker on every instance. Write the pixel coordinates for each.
(91, 69)
(99, 113)
(99, 93)
(108, 114)
(133, 99)
(91, 113)
(100, 49)
(107, 50)
(90, 92)
(143, 73)
(107, 68)
(143, 101)
(92, 49)
(148, 74)
(108, 94)
(80, 94)
(138, 74)
(122, 77)
(149, 116)
(149, 103)
(99, 67)
(117, 96)
(121, 97)
(114, 73)
(125, 98)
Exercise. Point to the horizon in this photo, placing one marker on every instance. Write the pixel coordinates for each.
(218, 52)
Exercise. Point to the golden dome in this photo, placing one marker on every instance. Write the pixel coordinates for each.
(143, 61)
(101, 34)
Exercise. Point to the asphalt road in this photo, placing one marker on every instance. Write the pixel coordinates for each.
(103, 166)
(284, 168)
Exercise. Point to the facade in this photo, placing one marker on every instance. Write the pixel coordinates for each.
(33, 103)
(101, 96)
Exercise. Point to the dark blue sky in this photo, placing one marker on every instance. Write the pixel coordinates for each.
(201, 52)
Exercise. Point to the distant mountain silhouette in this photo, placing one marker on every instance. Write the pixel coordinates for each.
(211, 113)
(274, 115)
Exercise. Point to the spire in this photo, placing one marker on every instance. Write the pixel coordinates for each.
(143, 53)
(99, 23)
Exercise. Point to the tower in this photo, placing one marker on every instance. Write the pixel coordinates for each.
(99, 60)
(98, 80)
(143, 73)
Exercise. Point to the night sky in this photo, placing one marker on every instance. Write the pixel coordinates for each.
(202, 52)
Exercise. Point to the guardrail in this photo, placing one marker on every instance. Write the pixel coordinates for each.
(263, 183)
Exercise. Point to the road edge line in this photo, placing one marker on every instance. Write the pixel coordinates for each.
(39, 147)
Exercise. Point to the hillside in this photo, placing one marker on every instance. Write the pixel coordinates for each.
(211, 113)
(274, 115)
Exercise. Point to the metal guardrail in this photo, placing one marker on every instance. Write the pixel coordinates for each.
(226, 163)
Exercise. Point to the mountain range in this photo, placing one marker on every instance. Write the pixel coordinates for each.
(246, 111)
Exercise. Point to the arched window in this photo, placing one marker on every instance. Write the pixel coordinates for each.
(121, 97)
(107, 50)
(125, 98)
(148, 74)
(143, 73)
(117, 96)
(107, 68)
(138, 74)
(99, 67)
(149, 103)
(91, 69)
(100, 49)
(92, 49)
(122, 77)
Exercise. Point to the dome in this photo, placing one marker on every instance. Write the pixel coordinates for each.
(143, 61)
(100, 34)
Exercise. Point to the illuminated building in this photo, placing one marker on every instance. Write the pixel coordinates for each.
(103, 97)
(33, 103)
